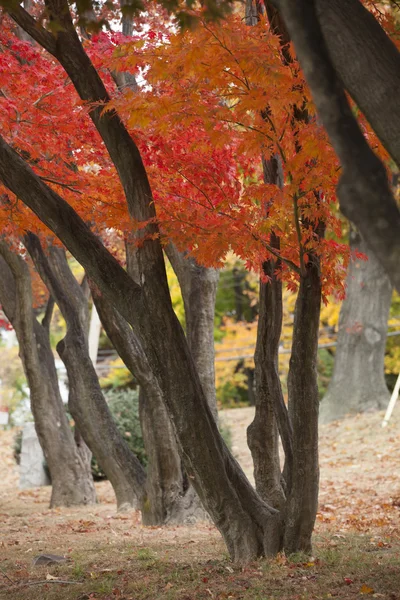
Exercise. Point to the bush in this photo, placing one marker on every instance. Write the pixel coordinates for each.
(124, 408)
(326, 362)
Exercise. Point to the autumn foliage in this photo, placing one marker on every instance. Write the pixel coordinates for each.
(211, 101)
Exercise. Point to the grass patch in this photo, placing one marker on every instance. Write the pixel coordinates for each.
(146, 555)
(351, 567)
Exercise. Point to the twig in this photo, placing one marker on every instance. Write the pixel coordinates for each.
(64, 185)
(43, 582)
(6, 576)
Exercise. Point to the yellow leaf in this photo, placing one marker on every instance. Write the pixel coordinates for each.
(366, 590)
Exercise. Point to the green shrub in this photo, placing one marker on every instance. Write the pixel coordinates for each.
(124, 407)
(326, 362)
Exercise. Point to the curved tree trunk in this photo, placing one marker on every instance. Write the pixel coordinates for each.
(373, 79)
(199, 290)
(167, 497)
(271, 412)
(271, 417)
(302, 501)
(262, 433)
(358, 382)
(69, 463)
(86, 401)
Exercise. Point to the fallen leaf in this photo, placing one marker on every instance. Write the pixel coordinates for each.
(366, 590)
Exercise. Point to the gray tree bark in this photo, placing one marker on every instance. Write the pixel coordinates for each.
(372, 77)
(68, 462)
(168, 498)
(262, 434)
(295, 492)
(358, 382)
(302, 499)
(271, 417)
(199, 290)
(86, 401)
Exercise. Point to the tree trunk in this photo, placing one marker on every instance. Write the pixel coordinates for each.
(358, 382)
(167, 498)
(199, 290)
(372, 78)
(238, 278)
(262, 434)
(271, 412)
(271, 416)
(302, 501)
(86, 401)
(68, 463)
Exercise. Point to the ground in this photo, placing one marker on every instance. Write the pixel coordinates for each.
(111, 556)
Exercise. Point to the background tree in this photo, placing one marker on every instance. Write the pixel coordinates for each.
(358, 382)
(68, 461)
(86, 401)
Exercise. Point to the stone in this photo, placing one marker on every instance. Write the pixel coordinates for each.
(32, 471)
(48, 559)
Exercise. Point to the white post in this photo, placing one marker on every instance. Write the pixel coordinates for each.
(94, 335)
(392, 402)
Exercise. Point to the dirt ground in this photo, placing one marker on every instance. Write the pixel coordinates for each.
(111, 556)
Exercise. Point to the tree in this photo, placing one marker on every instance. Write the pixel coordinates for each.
(234, 217)
(358, 382)
(67, 458)
(170, 497)
(86, 401)
(244, 518)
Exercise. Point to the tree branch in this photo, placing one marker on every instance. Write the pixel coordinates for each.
(31, 26)
(59, 284)
(372, 76)
(58, 215)
(364, 193)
